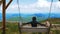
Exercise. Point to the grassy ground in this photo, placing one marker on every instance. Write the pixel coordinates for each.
(13, 29)
(53, 20)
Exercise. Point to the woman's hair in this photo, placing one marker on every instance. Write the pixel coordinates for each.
(33, 18)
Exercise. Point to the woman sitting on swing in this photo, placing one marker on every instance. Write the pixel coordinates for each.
(34, 22)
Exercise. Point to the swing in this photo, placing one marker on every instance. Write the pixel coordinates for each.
(34, 29)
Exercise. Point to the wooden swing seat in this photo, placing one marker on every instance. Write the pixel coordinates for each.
(34, 29)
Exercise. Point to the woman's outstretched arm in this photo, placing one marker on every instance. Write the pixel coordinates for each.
(25, 23)
(41, 24)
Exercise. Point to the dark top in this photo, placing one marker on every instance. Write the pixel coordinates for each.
(34, 23)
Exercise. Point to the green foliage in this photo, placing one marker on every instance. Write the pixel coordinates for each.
(52, 20)
(13, 27)
(56, 31)
(25, 19)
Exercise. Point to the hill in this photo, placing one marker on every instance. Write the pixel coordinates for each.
(53, 20)
(25, 19)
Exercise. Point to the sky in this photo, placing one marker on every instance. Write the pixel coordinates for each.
(32, 6)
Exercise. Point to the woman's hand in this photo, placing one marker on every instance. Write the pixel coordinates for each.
(47, 23)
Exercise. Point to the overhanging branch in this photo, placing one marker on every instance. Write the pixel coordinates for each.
(8, 4)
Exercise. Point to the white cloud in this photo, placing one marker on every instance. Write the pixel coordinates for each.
(43, 3)
(0, 9)
(42, 6)
(58, 4)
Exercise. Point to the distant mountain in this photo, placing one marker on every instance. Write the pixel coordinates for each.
(24, 19)
(0, 16)
(39, 15)
(11, 15)
(55, 15)
(47, 15)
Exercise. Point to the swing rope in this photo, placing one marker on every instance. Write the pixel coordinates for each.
(50, 9)
(20, 18)
(49, 16)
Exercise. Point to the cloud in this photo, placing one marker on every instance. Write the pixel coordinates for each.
(1, 9)
(43, 3)
(41, 6)
(12, 9)
(58, 4)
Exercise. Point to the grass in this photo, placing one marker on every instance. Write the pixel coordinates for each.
(53, 20)
(24, 19)
(13, 27)
(55, 31)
